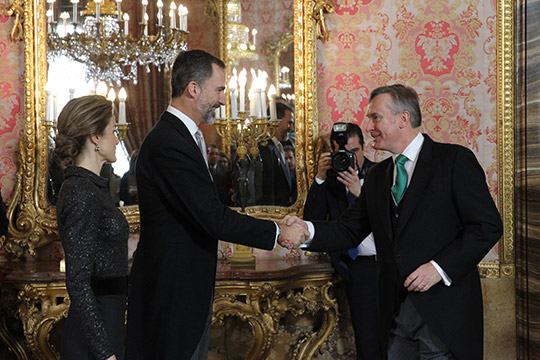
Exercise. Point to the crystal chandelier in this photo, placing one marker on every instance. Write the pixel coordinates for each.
(239, 45)
(104, 44)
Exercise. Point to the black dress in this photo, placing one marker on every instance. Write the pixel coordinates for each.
(94, 234)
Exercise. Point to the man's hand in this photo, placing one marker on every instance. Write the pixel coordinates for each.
(351, 180)
(325, 164)
(423, 278)
(293, 232)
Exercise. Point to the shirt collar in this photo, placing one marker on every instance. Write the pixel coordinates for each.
(190, 124)
(413, 149)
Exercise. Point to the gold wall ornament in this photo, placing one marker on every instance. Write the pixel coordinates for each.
(15, 7)
(322, 7)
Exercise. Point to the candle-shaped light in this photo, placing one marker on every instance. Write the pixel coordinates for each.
(252, 103)
(246, 36)
(62, 265)
(98, 10)
(126, 24)
(49, 107)
(218, 113)
(111, 95)
(71, 93)
(119, 9)
(232, 92)
(101, 88)
(184, 18)
(263, 82)
(223, 111)
(55, 105)
(144, 5)
(145, 24)
(160, 13)
(64, 16)
(75, 12)
(180, 17)
(50, 12)
(172, 14)
(254, 33)
(242, 79)
(122, 96)
(272, 101)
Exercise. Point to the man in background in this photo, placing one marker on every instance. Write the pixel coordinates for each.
(328, 197)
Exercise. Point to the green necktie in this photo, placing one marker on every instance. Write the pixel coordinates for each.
(400, 184)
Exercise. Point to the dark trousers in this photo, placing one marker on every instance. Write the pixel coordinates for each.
(411, 339)
(112, 309)
(361, 288)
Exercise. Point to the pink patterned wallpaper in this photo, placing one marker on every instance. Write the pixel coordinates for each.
(446, 50)
(11, 103)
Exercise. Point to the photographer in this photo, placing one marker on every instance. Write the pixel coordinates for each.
(338, 182)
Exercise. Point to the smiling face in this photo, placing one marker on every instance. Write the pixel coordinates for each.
(384, 126)
(212, 95)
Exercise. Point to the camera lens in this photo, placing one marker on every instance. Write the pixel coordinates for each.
(341, 161)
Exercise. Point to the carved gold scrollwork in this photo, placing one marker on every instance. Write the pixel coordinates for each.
(40, 307)
(263, 307)
(15, 8)
(320, 8)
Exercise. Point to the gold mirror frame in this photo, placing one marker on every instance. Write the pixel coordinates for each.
(33, 218)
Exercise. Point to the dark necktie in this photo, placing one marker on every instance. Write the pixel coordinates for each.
(400, 184)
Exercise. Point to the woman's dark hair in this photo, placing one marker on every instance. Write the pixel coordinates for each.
(80, 118)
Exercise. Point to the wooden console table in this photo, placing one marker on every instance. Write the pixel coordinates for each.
(35, 295)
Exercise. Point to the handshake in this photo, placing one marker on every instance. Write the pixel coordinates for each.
(294, 232)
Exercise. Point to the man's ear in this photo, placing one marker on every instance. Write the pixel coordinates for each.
(193, 89)
(404, 119)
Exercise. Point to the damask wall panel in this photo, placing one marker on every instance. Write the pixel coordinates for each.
(446, 50)
(11, 103)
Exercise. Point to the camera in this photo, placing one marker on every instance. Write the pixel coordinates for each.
(342, 158)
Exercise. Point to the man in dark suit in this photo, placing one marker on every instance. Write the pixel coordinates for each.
(173, 275)
(328, 197)
(433, 220)
(277, 186)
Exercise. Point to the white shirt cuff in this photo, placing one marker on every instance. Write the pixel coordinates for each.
(446, 279)
(278, 231)
(311, 230)
(319, 181)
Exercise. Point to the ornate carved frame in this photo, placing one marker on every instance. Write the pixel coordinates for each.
(33, 219)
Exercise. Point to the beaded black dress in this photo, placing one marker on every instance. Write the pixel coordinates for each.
(94, 234)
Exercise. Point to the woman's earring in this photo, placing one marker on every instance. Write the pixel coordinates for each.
(97, 148)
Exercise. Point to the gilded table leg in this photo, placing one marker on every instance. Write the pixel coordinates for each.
(40, 307)
(9, 323)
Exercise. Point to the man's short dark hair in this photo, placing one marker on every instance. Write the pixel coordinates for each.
(352, 130)
(281, 108)
(288, 148)
(192, 65)
(404, 99)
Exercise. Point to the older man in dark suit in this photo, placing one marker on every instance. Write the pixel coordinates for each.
(433, 220)
(170, 303)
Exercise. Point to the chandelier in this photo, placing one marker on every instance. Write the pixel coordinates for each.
(103, 42)
(239, 45)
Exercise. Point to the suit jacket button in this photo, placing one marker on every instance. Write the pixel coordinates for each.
(396, 215)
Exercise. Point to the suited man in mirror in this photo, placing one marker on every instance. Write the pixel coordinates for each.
(433, 220)
(328, 197)
(277, 182)
(174, 269)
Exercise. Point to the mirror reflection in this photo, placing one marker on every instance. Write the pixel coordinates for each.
(259, 49)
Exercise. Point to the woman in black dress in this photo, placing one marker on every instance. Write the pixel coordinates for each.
(94, 232)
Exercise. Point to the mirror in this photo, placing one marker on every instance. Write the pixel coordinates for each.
(32, 216)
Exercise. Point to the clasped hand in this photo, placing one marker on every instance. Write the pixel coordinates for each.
(294, 232)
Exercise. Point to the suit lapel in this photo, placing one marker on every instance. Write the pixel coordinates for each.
(422, 174)
(383, 185)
